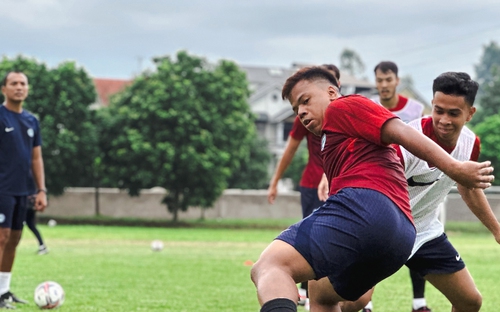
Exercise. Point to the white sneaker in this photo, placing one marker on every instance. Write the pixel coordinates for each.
(42, 250)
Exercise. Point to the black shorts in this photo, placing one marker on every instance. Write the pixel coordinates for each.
(437, 256)
(309, 200)
(357, 238)
(12, 211)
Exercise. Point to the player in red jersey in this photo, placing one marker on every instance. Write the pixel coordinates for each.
(311, 176)
(365, 228)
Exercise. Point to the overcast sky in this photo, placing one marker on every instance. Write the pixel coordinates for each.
(116, 39)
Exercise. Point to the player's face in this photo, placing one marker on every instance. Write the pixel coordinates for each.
(386, 84)
(309, 101)
(449, 115)
(16, 88)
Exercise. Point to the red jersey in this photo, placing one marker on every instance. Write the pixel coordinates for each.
(311, 176)
(354, 155)
(428, 131)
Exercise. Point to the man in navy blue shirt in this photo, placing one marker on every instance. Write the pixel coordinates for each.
(20, 160)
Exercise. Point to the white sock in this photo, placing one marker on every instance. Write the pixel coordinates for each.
(5, 282)
(418, 303)
(369, 305)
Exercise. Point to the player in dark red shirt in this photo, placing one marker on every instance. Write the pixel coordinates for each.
(365, 228)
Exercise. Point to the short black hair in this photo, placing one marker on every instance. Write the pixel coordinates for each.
(334, 69)
(456, 84)
(307, 73)
(386, 66)
(4, 80)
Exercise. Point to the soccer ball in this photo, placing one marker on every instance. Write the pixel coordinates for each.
(52, 223)
(49, 295)
(156, 245)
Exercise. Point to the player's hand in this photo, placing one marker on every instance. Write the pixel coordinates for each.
(474, 175)
(323, 189)
(272, 192)
(497, 238)
(40, 201)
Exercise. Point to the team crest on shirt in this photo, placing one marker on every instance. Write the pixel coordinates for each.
(323, 141)
(31, 133)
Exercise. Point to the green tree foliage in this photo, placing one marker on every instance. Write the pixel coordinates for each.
(60, 98)
(185, 127)
(489, 100)
(489, 59)
(489, 132)
(253, 173)
(351, 62)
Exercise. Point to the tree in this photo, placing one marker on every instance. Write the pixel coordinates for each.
(185, 127)
(489, 99)
(489, 59)
(253, 173)
(489, 132)
(351, 62)
(60, 98)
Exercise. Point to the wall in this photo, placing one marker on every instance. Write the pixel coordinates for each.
(233, 204)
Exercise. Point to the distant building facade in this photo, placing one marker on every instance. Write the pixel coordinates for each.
(274, 116)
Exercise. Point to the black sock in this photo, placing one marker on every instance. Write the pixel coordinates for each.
(279, 305)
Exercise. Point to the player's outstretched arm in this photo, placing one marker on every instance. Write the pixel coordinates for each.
(478, 204)
(467, 173)
(291, 148)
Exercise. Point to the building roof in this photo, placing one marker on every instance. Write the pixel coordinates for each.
(106, 87)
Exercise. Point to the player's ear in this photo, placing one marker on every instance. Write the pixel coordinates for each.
(332, 92)
(472, 111)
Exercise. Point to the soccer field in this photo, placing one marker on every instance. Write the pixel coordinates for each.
(199, 269)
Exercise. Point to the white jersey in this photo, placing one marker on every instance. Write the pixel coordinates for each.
(411, 111)
(428, 186)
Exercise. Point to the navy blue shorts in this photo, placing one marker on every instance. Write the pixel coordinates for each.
(12, 211)
(309, 200)
(357, 238)
(437, 256)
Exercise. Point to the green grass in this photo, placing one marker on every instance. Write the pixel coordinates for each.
(111, 268)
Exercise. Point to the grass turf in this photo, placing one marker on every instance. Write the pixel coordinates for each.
(201, 268)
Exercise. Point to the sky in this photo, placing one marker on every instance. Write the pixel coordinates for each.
(118, 39)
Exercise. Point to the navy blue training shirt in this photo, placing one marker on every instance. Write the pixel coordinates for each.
(19, 134)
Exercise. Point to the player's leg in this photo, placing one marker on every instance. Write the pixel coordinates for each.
(418, 286)
(276, 273)
(7, 207)
(323, 297)
(459, 288)
(31, 224)
(440, 264)
(309, 201)
(360, 304)
(9, 254)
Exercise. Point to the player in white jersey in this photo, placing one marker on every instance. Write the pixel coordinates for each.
(387, 81)
(433, 256)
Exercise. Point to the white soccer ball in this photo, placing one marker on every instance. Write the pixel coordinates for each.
(52, 223)
(49, 295)
(156, 245)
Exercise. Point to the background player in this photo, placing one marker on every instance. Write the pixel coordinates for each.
(20, 153)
